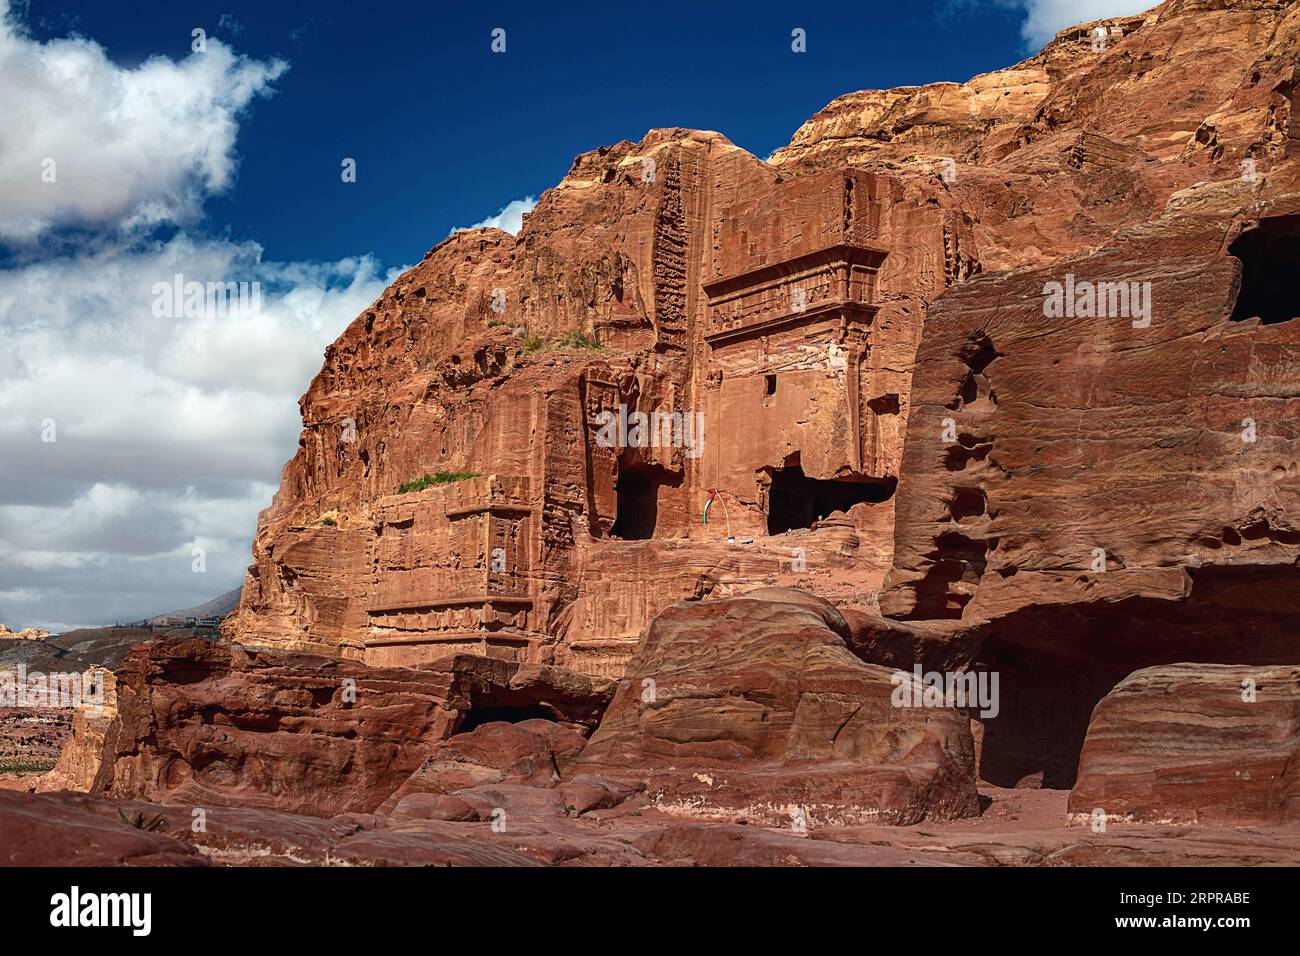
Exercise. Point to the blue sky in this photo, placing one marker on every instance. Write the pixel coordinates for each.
(445, 132)
(137, 448)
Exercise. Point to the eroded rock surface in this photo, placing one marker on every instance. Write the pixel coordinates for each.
(858, 381)
(532, 752)
(205, 724)
(1195, 743)
(93, 736)
(26, 634)
(755, 707)
(758, 708)
(71, 829)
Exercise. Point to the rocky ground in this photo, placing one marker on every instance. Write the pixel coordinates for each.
(1020, 828)
(748, 731)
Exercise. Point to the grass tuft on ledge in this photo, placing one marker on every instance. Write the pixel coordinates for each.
(437, 478)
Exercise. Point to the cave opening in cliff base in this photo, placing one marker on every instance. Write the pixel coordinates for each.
(1268, 257)
(480, 714)
(796, 501)
(1056, 662)
(637, 490)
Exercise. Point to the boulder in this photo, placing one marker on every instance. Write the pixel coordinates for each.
(532, 752)
(1195, 743)
(753, 707)
(38, 831)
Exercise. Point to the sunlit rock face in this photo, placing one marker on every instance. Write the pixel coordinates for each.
(1011, 361)
(190, 722)
(656, 533)
(755, 708)
(740, 421)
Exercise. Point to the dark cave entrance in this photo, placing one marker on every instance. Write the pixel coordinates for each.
(1268, 257)
(493, 702)
(1044, 709)
(480, 714)
(1056, 664)
(637, 492)
(796, 501)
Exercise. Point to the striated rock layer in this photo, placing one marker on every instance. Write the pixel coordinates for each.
(755, 707)
(208, 725)
(94, 831)
(568, 539)
(1195, 743)
(751, 707)
(536, 792)
(788, 322)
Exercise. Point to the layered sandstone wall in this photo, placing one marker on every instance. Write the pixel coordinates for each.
(202, 725)
(1194, 743)
(823, 316)
(1002, 377)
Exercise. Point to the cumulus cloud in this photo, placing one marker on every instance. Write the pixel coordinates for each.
(89, 143)
(509, 217)
(1045, 18)
(139, 442)
(84, 349)
(132, 438)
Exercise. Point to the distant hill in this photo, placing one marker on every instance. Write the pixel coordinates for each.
(106, 646)
(218, 607)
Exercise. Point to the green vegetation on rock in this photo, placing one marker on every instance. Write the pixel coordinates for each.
(437, 478)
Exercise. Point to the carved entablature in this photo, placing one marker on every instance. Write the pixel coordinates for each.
(839, 280)
(455, 566)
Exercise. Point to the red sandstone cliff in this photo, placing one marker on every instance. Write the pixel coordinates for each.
(999, 378)
(891, 415)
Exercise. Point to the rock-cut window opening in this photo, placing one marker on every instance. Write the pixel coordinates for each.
(1268, 257)
(637, 490)
(796, 501)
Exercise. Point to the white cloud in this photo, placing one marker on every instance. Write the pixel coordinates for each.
(1045, 18)
(130, 147)
(170, 432)
(230, 24)
(509, 217)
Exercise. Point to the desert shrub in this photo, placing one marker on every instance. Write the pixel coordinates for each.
(578, 340)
